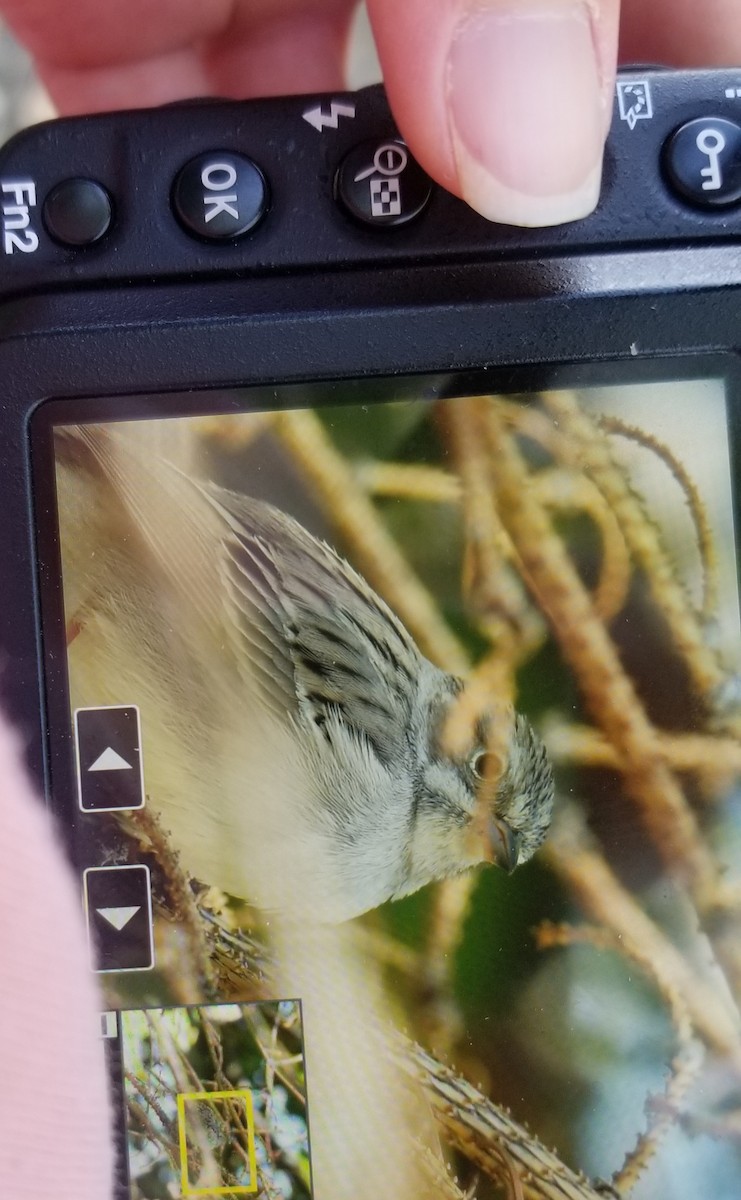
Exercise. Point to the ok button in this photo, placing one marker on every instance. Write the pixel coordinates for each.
(220, 196)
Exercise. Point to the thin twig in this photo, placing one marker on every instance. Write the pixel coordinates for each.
(409, 481)
(644, 541)
(577, 861)
(685, 1064)
(560, 489)
(691, 753)
(184, 907)
(489, 1137)
(376, 553)
(698, 512)
(591, 653)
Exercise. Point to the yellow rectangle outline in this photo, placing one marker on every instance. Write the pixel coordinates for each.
(241, 1189)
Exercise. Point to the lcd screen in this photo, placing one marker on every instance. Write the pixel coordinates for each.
(316, 655)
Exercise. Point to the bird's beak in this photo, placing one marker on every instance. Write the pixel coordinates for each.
(505, 845)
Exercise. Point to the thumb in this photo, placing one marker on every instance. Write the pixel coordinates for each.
(504, 102)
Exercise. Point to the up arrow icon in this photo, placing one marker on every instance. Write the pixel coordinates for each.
(108, 741)
(110, 760)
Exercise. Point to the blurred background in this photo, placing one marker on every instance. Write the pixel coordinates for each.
(24, 101)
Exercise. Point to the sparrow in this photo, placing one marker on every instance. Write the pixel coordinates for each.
(293, 734)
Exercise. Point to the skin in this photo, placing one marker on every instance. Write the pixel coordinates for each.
(103, 54)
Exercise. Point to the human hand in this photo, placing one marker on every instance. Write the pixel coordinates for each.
(54, 1116)
(505, 102)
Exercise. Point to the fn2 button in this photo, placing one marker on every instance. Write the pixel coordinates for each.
(78, 212)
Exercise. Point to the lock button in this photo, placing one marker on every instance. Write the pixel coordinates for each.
(702, 161)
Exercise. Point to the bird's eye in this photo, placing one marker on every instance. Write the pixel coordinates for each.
(482, 764)
(486, 766)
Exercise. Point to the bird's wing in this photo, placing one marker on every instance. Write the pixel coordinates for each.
(310, 636)
(313, 628)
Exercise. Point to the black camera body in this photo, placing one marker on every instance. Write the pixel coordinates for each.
(121, 272)
(127, 297)
(217, 257)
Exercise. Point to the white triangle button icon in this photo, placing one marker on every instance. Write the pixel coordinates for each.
(109, 760)
(118, 917)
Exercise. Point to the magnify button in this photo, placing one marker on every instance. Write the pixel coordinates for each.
(379, 183)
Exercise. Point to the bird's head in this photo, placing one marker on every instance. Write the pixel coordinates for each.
(487, 799)
(517, 798)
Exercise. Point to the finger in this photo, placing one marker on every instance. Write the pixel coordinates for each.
(505, 102)
(287, 52)
(54, 1111)
(130, 53)
(681, 32)
(303, 54)
(158, 80)
(98, 33)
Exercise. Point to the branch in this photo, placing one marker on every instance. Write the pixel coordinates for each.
(489, 1137)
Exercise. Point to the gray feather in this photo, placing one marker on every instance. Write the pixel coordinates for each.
(319, 640)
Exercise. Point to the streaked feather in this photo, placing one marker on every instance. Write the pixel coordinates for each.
(326, 643)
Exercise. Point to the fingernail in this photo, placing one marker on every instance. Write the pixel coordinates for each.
(526, 111)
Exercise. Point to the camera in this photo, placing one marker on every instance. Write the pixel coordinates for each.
(338, 522)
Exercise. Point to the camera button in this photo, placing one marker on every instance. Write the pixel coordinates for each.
(118, 907)
(77, 212)
(702, 160)
(380, 184)
(220, 196)
(109, 758)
